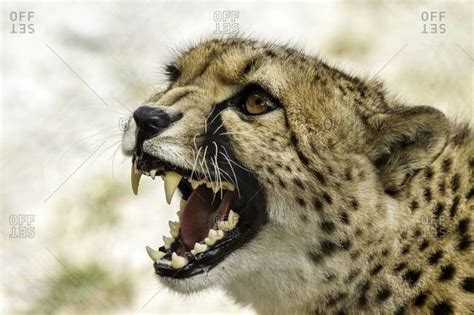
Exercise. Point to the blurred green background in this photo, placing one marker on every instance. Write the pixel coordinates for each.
(73, 234)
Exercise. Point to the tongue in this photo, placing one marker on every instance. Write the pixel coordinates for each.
(198, 216)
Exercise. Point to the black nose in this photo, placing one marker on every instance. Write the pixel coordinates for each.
(151, 120)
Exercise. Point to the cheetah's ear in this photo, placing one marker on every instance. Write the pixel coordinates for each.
(405, 140)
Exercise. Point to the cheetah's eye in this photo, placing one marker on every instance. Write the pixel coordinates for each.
(257, 103)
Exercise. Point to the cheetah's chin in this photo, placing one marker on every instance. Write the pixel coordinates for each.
(215, 218)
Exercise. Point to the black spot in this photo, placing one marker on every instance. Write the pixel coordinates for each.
(358, 232)
(327, 226)
(348, 174)
(362, 301)
(405, 249)
(465, 242)
(424, 245)
(344, 218)
(442, 187)
(454, 207)
(400, 310)
(293, 139)
(249, 66)
(352, 275)
(468, 284)
(417, 233)
(298, 182)
(463, 226)
(384, 294)
(414, 205)
(300, 201)
(318, 205)
(319, 177)
(282, 183)
(447, 273)
(304, 217)
(438, 210)
(315, 257)
(302, 157)
(455, 182)
(428, 173)
(412, 277)
(399, 267)
(269, 53)
(338, 297)
(376, 270)
(327, 197)
(443, 308)
(470, 194)
(346, 244)
(364, 288)
(354, 204)
(385, 252)
(420, 299)
(341, 312)
(427, 194)
(434, 258)
(328, 247)
(446, 165)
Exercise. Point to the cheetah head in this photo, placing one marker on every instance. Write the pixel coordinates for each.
(255, 137)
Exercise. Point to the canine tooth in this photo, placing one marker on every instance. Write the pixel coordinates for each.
(168, 241)
(174, 228)
(178, 261)
(153, 174)
(171, 183)
(135, 178)
(155, 255)
(198, 248)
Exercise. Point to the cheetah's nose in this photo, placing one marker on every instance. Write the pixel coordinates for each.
(151, 120)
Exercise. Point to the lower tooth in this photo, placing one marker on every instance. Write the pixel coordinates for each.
(198, 248)
(155, 255)
(178, 261)
(213, 237)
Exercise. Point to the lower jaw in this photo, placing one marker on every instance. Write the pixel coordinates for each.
(205, 262)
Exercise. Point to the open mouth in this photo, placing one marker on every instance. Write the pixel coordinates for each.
(215, 218)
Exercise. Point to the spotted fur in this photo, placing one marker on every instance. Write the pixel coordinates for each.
(370, 201)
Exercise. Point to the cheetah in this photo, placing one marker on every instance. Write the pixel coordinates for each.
(305, 190)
